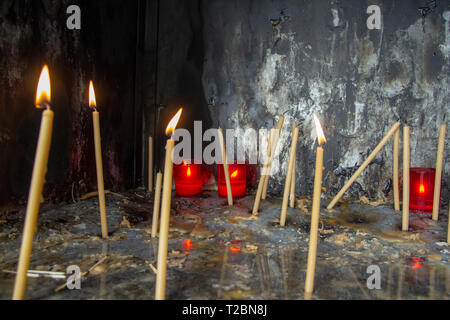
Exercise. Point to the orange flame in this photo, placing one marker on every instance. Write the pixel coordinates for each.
(234, 174)
(422, 189)
(235, 249)
(173, 123)
(92, 101)
(320, 135)
(43, 94)
(189, 173)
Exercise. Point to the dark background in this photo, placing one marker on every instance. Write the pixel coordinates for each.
(229, 63)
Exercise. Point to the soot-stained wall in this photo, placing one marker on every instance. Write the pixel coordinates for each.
(266, 58)
(181, 51)
(34, 33)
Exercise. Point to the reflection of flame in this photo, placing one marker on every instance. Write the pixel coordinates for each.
(234, 174)
(233, 249)
(92, 101)
(189, 173)
(320, 135)
(417, 262)
(235, 246)
(188, 244)
(173, 123)
(43, 94)
(422, 189)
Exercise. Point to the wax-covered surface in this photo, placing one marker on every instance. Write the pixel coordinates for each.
(214, 253)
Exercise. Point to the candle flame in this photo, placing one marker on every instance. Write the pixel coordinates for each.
(320, 135)
(234, 174)
(92, 101)
(422, 189)
(189, 173)
(173, 123)
(43, 94)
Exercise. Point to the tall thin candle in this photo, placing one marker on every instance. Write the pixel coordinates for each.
(43, 100)
(364, 165)
(315, 215)
(438, 175)
(395, 171)
(274, 138)
(293, 181)
(288, 183)
(156, 204)
(160, 288)
(448, 228)
(150, 164)
(98, 160)
(269, 151)
(406, 184)
(266, 166)
(225, 167)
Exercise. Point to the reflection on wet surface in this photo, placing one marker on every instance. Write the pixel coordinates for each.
(245, 259)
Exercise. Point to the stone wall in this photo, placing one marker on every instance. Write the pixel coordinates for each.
(266, 58)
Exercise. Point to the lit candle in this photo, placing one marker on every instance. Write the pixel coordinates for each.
(150, 164)
(225, 167)
(406, 184)
(188, 178)
(43, 100)
(98, 160)
(238, 180)
(160, 290)
(288, 184)
(421, 191)
(437, 179)
(395, 171)
(364, 165)
(315, 215)
(156, 204)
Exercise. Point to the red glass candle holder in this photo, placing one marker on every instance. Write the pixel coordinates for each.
(188, 179)
(422, 189)
(238, 180)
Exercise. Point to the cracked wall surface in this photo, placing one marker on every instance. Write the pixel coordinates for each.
(267, 58)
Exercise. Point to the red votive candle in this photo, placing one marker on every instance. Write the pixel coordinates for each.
(238, 180)
(188, 179)
(422, 189)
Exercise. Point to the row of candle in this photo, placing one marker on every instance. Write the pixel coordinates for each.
(315, 215)
(43, 101)
(188, 178)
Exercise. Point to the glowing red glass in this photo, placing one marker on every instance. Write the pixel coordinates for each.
(422, 189)
(188, 179)
(238, 180)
